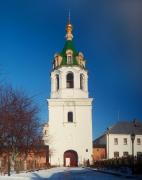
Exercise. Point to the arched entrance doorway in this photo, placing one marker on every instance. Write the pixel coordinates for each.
(70, 158)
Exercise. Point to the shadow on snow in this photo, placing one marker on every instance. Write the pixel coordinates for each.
(79, 174)
(67, 174)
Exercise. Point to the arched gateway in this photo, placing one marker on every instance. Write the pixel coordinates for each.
(70, 158)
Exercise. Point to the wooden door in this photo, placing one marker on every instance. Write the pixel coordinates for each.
(70, 158)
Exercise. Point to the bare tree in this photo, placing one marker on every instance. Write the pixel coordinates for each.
(19, 124)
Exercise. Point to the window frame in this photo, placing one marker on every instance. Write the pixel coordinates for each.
(139, 154)
(82, 81)
(70, 117)
(69, 59)
(57, 82)
(115, 141)
(125, 154)
(116, 152)
(138, 141)
(125, 142)
(70, 80)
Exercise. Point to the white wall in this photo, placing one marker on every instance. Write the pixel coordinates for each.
(64, 92)
(111, 147)
(70, 136)
(64, 135)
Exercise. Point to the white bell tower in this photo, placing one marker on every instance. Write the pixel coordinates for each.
(70, 108)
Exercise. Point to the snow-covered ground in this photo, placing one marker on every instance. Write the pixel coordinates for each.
(63, 174)
(37, 175)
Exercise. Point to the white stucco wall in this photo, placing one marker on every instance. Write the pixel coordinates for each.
(65, 135)
(64, 92)
(75, 136)
(111, 147)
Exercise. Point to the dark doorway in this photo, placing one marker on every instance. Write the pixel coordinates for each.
(70, 158)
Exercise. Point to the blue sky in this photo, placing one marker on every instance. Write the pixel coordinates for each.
(107, 32)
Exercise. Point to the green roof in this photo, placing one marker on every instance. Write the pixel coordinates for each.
(69, 46)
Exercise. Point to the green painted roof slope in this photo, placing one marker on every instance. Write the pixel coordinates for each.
(69, 45)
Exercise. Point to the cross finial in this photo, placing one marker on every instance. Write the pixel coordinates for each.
(69, 18)
(69, 28)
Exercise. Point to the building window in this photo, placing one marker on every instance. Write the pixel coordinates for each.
(138, 141)
(69, 59)
(116, 154)
(45, 132)
(70, 116)
(115, 141)
(57, 82)
(125, 154)
(125, 141)
(81, 81)
(70, 80)
(139, 154)
(86, 150)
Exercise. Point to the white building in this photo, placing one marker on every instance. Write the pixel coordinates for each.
(118, 142)
(70, 108)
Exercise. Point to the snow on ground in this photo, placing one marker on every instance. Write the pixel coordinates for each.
(37, 175)
(63, 174)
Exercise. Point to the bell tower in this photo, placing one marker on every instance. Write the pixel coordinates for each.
(69, 106)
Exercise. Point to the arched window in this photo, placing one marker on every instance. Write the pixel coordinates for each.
(70, 116)
(69, 59)
(81, 81)
(57, 82)
(70, 80)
